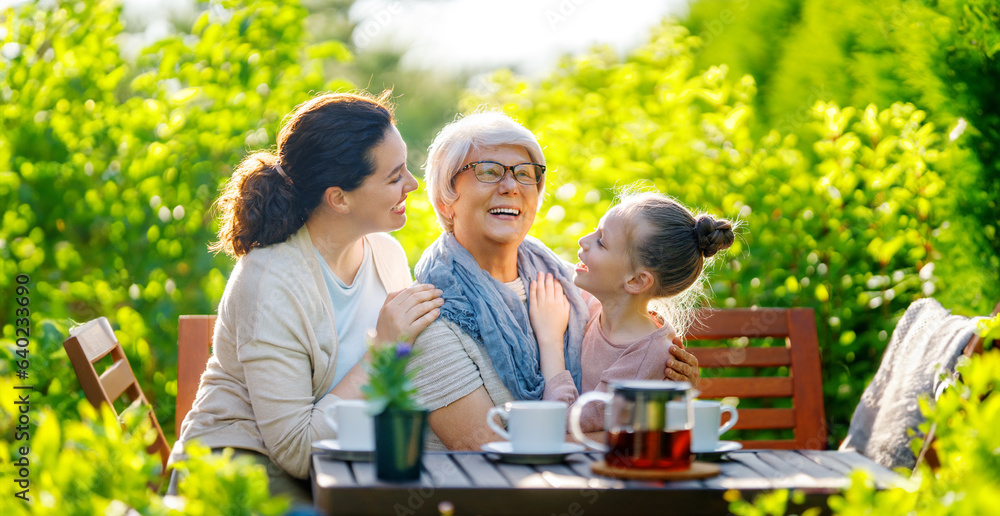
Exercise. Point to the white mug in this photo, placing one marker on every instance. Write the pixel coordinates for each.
(354, 426)
(707, 422)
(532, 426)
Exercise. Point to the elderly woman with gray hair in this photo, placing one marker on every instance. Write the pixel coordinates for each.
(485, 177)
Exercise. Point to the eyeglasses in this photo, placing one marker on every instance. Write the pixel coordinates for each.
(492, 172)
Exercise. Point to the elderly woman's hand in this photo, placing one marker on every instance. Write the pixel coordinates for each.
(683, 366)
(407, 312)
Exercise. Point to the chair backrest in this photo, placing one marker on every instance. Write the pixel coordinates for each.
(800, 355)
(194, 343)
(88, 344)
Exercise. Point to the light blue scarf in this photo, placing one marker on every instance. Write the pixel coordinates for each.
(493, 315)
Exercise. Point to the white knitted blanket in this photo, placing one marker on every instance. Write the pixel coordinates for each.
(925, 346)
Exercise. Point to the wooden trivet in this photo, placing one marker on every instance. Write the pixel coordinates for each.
(698, 470)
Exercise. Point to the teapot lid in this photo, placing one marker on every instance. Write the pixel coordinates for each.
(646, 388)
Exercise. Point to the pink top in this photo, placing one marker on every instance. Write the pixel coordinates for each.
(605, 361)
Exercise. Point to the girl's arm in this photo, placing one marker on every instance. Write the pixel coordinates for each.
(549, 313)
(548, 310)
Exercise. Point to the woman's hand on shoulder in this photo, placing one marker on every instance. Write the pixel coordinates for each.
(682, 366)
(407, 312)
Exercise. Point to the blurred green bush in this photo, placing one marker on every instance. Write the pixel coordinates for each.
(939, 56)
(109, 167)
(84, 463)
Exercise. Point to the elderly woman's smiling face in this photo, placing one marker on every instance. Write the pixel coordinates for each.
(492, 215)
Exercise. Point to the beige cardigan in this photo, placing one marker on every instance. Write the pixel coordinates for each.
(275, 353)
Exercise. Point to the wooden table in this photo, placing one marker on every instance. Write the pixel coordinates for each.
(474, 483)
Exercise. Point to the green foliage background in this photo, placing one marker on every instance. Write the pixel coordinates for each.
(940, 56)
(87, 464)
(856, 142)
(108, 168)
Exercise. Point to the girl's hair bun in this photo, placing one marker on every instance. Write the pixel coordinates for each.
(713, 235)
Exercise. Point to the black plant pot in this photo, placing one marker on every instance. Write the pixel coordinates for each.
(399, 444)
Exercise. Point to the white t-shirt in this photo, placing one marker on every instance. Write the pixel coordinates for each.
(353, 311)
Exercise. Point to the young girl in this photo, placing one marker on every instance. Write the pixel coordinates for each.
(647, 247)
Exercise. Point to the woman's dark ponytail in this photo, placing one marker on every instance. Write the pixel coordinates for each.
(327, 141)
(258, 206)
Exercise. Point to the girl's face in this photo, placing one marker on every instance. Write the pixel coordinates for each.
(604, 266)
(380, 201)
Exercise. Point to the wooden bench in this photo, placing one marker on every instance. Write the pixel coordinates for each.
(194, 344)
(800, 355)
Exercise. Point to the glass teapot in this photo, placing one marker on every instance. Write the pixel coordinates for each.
(648, 424)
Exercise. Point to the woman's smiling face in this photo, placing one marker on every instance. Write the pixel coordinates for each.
(488, 216)
(380, 202)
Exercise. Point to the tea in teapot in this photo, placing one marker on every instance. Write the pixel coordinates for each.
(641, 432)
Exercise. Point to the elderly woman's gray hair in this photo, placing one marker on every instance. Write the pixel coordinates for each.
(457, 139)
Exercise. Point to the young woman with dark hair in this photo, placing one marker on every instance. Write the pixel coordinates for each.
(315, 272)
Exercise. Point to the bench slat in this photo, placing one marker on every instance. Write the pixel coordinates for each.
(743, 387)
(765, 419)
(742, 357)
(740, 322)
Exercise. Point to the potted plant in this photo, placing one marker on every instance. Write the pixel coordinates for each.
(399, 422)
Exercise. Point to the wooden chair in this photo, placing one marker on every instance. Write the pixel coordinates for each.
(194, 343)
(800, 354)
(88, 344)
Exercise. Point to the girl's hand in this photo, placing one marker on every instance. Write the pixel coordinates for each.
(407, 312)
(683, 366)
(548, 310)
